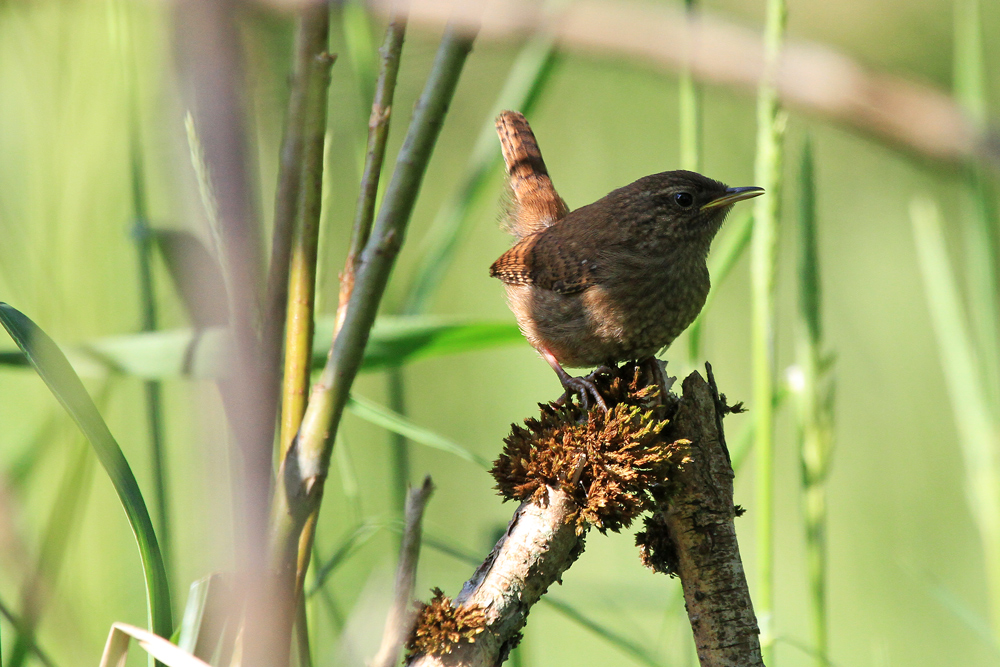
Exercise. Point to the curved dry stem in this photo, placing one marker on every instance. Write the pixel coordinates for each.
(810, 76)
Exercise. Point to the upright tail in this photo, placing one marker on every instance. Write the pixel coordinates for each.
(537, 204)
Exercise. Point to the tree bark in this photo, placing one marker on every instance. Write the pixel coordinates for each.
(698, 514)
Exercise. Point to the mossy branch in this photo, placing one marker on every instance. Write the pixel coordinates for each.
(648, 454)
(693, 534)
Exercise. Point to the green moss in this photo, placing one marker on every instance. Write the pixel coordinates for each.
(441, 626)
(607, 462)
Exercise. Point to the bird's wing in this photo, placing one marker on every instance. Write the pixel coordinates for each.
(550, 261)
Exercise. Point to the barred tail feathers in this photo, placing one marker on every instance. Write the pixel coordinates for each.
(536, 202)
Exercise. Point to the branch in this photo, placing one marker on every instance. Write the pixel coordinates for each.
(646, 455)
(540, 544)
(399, 620)
(694, 536)
(378, 134)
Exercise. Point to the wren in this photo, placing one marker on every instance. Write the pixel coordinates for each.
(616, 280)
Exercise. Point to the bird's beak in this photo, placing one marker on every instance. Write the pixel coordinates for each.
(733, 195)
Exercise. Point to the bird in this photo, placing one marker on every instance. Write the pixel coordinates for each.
(612, 281)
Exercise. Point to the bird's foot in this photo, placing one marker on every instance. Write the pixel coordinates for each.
(585, 388)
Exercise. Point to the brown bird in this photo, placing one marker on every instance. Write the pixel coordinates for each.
(616, 280)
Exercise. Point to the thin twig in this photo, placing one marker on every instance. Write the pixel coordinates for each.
(312, 36)
(378, 134)
(399, 620)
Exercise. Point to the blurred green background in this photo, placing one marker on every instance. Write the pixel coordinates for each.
(906, 575)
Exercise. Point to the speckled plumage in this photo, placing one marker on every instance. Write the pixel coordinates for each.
(616, 280)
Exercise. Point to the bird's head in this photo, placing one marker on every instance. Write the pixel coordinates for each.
(682, 204)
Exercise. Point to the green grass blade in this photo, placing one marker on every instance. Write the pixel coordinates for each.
(977, 429)
(689, 120)
(201, 354)
(813, 387)
(395, 422)
(960, 609)
(970, 68)
(979, 228)
(18, 625)
(194, 613)
(361, 52)
(396, 341)
(763, 267)
(51, 365)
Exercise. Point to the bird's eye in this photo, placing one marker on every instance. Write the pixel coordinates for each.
(684, 199)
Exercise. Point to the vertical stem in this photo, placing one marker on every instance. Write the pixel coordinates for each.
(980, 236)
(399, 620)
(311, 81)
(980, 227)
(813, 388)
(378, 134)
(770, 129)
(399, 447)
(299, 205)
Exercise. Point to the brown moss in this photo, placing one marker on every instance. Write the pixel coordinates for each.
(607, 462)
(441, 626)
(657, 550)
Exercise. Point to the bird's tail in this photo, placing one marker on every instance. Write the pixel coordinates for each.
(536, 202)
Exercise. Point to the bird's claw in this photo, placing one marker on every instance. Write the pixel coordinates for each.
(585, 388)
